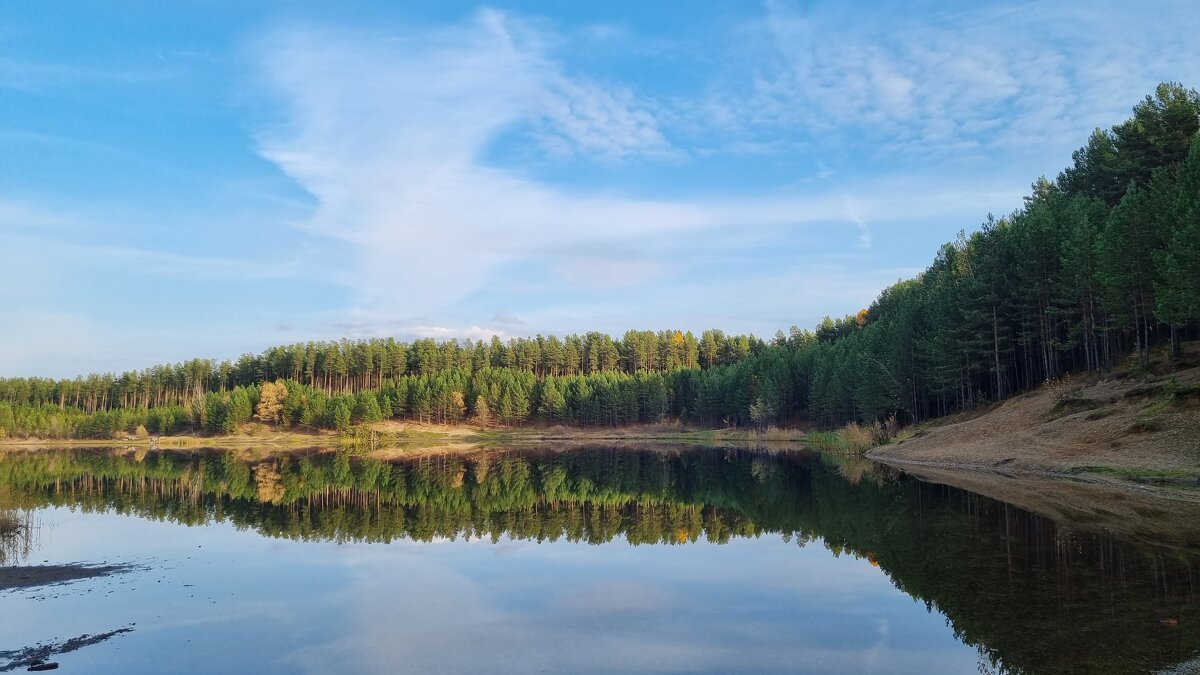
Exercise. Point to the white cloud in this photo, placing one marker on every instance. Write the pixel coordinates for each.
(389, 132)
(583, 117)
(1034, 78)
(471, 333)
(604, 271)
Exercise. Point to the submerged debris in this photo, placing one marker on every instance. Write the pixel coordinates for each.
(43, 575)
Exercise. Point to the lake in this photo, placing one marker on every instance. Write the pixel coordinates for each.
(589, 560)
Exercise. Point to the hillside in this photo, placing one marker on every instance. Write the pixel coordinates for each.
(1125, 424)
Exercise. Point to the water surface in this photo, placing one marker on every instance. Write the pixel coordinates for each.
(600, 560)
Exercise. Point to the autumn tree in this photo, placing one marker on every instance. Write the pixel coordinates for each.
(270, 401)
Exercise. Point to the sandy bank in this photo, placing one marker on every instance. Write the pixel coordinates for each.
(1123, 426)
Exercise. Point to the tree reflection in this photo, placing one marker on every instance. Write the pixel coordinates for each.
(1030, 594)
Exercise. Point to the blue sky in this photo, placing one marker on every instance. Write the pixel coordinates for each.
(206, 179)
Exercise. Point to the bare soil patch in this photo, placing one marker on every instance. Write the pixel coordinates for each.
(1136, 427)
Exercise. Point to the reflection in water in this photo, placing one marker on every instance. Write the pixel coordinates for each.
(18, 535)
(1032, 595)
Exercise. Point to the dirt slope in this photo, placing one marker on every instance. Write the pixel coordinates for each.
(1120, 424)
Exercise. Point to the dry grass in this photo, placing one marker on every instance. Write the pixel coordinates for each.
(853, 438)
(778, 435)
(857, 438)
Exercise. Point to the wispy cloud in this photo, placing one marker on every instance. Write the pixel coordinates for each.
(507, 319)
(389, 132)
(1036, 76)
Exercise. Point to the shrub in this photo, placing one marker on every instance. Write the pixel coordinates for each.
(857, 438)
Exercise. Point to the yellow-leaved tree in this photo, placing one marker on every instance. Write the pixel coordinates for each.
(270, 401)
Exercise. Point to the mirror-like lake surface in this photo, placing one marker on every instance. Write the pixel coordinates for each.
(601, 560)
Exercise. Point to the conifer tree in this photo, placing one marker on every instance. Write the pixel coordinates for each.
(1177, 288)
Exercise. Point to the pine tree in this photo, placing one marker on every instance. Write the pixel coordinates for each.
(552, 403)
(366, 408)
(341, 415)
(1126, 247)
(482, 415)
(1080, 281)
(1177, 289)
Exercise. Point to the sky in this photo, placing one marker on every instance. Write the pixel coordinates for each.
(206, 179)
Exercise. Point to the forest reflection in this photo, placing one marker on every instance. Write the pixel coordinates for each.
(1031, 594)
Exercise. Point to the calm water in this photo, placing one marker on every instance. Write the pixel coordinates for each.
(588, 561)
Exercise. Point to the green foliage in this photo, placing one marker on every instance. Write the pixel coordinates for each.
(1177, 287)
(367, 408)
(340, 415)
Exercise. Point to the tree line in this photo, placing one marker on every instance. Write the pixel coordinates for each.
(1099, 265)
(351, 366)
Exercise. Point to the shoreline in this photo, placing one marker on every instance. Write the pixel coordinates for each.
(411, 432)
(1117, 431)
(399, 436)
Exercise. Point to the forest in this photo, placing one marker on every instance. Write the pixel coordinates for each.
(1098, 268)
